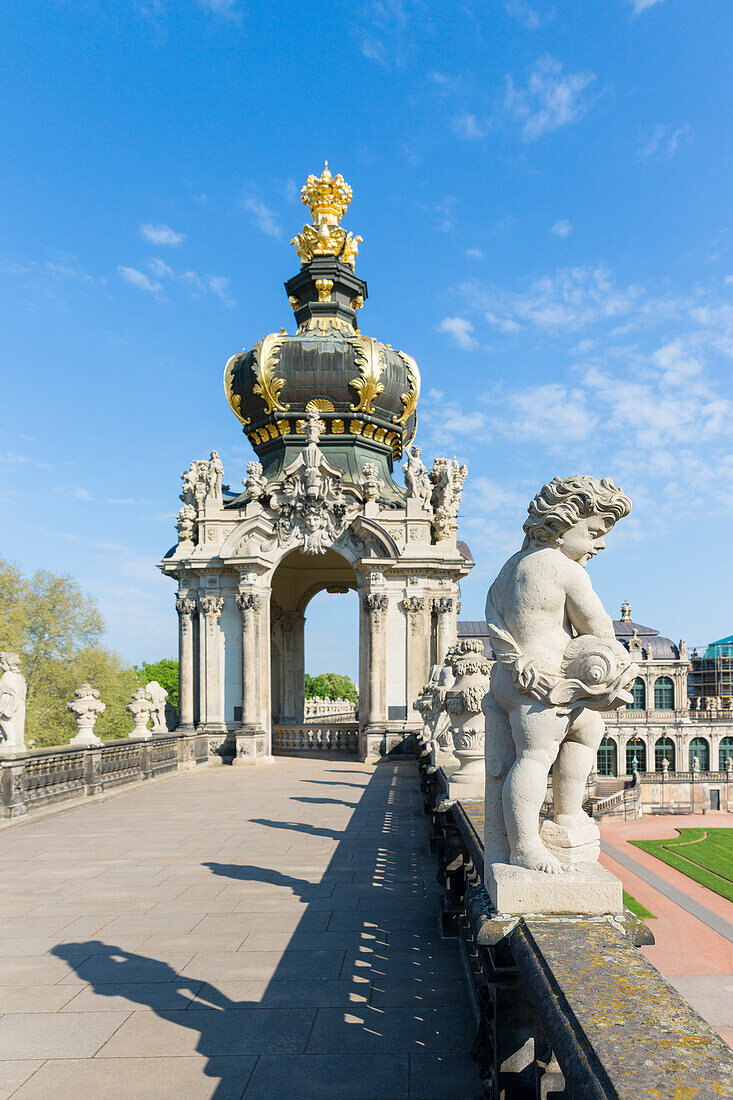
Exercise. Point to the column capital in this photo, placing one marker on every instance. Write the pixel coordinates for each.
(212, 606)
(413, 604)
(185, 605)
(442, 605)
(248, 601)
(375, 603)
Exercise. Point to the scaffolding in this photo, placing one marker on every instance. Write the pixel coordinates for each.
(711, 673)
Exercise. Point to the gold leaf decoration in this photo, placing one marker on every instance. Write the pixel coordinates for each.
(371, 366)
(410, 399)
(234, 399)
(320, 404)
(265, 360)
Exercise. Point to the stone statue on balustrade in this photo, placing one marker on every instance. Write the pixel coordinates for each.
(12, 705)
(463, 705)
(254, 483)
(141, 707)
(158, 695)
(86, 706)
(430, 704)
(417, 478)
(558, 667)
(447, 479)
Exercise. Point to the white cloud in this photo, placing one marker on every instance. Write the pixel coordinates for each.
(139, 279)
(446, 211)
(642, 5)
(521, 11)
(161, 235)
(553, 414)
(460, 329)
(572, 297)
(550, 100)
(467, 126)
(563, 228)
(665, 141)
(479, 254)
(374, 50)
(265, 219)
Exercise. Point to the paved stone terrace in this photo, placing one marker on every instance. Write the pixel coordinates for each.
(232, 932)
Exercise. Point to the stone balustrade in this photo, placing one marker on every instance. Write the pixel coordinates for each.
(566, 1006)
(33, 780)
(309, 740)
(329, 710)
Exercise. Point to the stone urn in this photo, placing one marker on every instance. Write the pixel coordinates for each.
(141, 707)
(86, 706)
(471, 669)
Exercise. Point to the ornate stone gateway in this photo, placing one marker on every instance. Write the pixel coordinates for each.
(327, 411)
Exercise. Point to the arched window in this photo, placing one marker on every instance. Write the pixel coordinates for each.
(663, 750)
(607, 757)
(725, 752)
(635, 754)
(639, 693)
(700, 748)
(663, 693)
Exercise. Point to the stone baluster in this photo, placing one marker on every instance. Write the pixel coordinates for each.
(212, 690)
(375, 605)
(186, 607)
(443, 607)
(249, 604)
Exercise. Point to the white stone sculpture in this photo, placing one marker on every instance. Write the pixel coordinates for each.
(186, 523)
(195, 481)
(371, 483)
(310, 506)
(141, 707)
(254, 483)
(214, 477)
(158, 695)
(12, 705)
(417, 478)
(558, 666)
(447, 479)
(463, 704)
(435, 734)
(86, 706)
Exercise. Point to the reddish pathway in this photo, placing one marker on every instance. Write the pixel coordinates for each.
(692, 956)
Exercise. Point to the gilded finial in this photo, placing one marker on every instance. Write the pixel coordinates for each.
(625, 612)
(328, 199)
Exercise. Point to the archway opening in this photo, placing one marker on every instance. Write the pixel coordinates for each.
(332, 656)
(322, 589)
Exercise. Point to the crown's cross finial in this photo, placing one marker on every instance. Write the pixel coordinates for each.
(625, 612)
(328, 198)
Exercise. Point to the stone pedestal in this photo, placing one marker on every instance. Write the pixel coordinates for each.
(468, 783)
(587, 890)
(251, 747)
(85, 737)
(578, 844)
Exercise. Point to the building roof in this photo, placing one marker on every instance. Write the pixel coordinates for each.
(655, 645)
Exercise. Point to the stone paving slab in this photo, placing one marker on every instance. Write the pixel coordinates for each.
(233, 933)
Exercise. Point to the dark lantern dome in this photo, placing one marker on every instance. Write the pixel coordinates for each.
(365, 392)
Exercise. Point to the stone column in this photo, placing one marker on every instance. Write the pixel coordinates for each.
(443, 607)
(288, 668)
(417, 670)
(264, 671)
(375, 606)
(249, 605)
(212, 688)
(299, 667)
(185, 606)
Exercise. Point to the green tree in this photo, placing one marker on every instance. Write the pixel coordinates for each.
(330, 685)
(165, 672)
(56, 629)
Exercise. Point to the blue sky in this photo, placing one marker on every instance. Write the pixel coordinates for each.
(544, 192)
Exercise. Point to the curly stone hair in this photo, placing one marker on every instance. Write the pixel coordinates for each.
(565, 500)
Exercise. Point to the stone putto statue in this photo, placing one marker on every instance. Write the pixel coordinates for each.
(158, 695)
(186, 523)
(371, 482)
(86, 706)
(254, 483)
(141, 707)
(558, 666)
(417, 479)
(12, 705)
(447, 480)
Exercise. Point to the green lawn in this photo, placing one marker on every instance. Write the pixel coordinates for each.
(637, 908)
(705, 855)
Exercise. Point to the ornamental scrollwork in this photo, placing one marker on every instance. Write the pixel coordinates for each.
(265, 359)
(234, 399)
(370, 361)
(410, 399)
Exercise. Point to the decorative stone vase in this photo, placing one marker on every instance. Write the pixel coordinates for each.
(463, 705)
(141, 707)
(85, 706)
